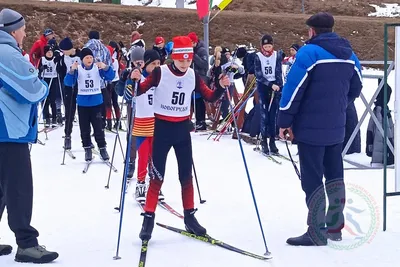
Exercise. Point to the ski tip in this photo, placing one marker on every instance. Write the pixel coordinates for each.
(268, 255)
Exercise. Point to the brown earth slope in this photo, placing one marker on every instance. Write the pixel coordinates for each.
(336, 7)
(228, 28)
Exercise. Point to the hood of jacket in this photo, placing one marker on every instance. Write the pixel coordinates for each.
(7, 39)
(334, 44)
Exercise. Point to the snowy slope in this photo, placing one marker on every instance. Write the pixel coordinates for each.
(388, 10)
(75, 214)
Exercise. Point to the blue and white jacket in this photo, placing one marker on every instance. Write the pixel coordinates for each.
(324, 78)
(71, 78)
(20, 91)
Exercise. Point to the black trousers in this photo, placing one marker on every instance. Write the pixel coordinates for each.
(91, 116)
(111, 101)
(70, 108)
(16, 192)
(50, 101)
(316, 162)
(167, 135)
(200, 109)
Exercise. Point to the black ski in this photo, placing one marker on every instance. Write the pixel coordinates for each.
(87, 165)
(268, 156)
(69, 153)
(212, 241)
(108, 163)
(143, 253)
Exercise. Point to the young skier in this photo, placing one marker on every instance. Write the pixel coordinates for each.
(48, 66)
(88, 76)
(268, 71)
(143, 126)
(70, 56)
(174, 85)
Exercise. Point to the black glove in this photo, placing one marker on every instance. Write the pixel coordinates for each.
(45, 67)
(125, 75)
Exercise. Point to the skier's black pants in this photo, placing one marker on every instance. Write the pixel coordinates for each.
(16, 192)
(70, 108)
(268, 112)
(111, 101)
(200, 109)
(316, 162)
(103, 107)
(91, 116)
(51, 98)
(225, 102)
(167, 135)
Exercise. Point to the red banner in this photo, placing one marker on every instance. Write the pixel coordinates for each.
(203, 7)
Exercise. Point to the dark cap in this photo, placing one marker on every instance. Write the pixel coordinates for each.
(94, 35)
(321, 20)
(267, 39)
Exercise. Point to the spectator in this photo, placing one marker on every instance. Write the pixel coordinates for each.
(324, 79)
(20, 92)
(159, 46)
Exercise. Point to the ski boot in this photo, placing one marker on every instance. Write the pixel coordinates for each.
(140, 193)
(201, 126)
(59, 119)
(337, 236)
(272, 146)
(37, 254)
(147, 226)
(67, 143)
(264, 146)
(88, 154)
(103, 154)
(5, 250)
(191, 223)
(54, 123)
(118, 122)
(131, 170)
(108, 125)
(47, 123)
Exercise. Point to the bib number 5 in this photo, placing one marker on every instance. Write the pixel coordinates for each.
(178, 98)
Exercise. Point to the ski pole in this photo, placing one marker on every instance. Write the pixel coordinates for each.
(197, 183)
(128, 151)
(117, 137)
(267, 253)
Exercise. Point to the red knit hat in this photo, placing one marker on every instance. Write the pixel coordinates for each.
(159, 40)
(183, 48)
(193, 37)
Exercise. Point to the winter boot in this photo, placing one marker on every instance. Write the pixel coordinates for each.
(47, 123)
(191, 223)
(67, 143)
(272, 146)
(147, 226)
(103, 154)
(131, 170)
(88, 154)
(108, 125)
(161, 196)
(306, 240)
(140, 193)
(5, 250)
(334, 236)
(37, 254)
(264, 146)
(54, 123)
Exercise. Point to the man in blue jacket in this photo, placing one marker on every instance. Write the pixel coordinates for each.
(20, 92)
(323, 80)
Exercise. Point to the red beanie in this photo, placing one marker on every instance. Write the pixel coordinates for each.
(193, 37)
(159, 40)
(183, 48)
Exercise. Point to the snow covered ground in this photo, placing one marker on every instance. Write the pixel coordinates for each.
(387, 10)
(75, 214)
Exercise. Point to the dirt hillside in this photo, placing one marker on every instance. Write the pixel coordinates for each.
(336, 7)
(228, 28)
